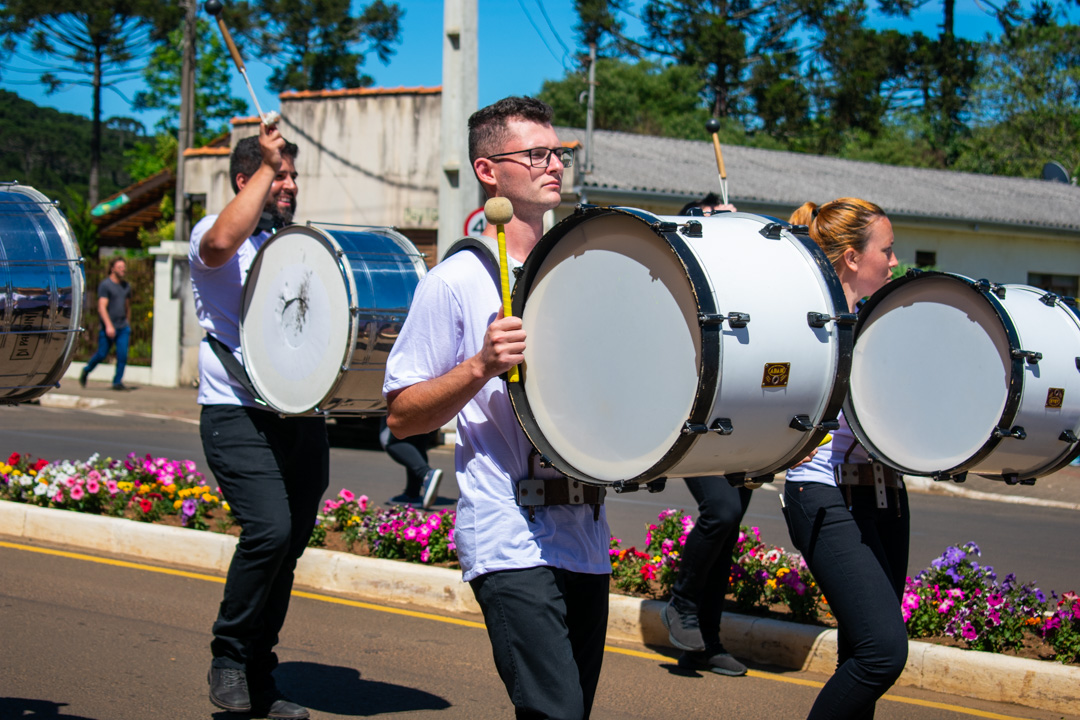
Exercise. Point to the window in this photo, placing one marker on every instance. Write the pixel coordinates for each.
(1066, 285)
(925, 258)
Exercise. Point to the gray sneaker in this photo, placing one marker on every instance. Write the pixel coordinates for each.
(429, 491)
(716, 659)
(683, 630)
(229, 689)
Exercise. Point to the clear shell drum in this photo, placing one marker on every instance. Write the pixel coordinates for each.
(952, 375)
(41, 293)
(323, 305)
(678, 346)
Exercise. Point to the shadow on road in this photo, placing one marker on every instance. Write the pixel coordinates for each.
(26, 708)
(341, 691)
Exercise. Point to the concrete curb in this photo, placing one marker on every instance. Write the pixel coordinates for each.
(985, 676)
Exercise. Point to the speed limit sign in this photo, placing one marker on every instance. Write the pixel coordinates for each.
(475, 223)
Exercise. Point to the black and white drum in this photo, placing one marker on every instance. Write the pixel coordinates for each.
(41, 293)
(323, 305)
(952, 375)
(678, 346)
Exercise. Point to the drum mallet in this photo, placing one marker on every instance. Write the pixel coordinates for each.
(713, 126)
(498, 212)
(214, 7)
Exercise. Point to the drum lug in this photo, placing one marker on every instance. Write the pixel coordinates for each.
(624, 486)
(773, 230)
(733, 319)
(802, 423)
(1032, 357)
(690, 428)
(657, 485)
(818, 320)
(989, 287)
(518, 272)
(722, 426)
(663, 226)
(691, 229)
(1068, 436)
(1017, 432)
(944, 477)
(1050, 299)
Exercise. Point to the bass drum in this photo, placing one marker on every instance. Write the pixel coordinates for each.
(41, 293)
(323, 305)
(952, 375)
(681, 346)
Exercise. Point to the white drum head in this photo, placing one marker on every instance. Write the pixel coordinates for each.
(613, 349)
(295, 330)
(930, 374)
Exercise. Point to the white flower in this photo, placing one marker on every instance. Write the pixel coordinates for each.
(26, 480)
(40, 489)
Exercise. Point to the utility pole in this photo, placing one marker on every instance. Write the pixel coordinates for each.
(589, 111)
(459, 193)
(187, 117)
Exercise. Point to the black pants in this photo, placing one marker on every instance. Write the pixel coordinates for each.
(547, 629)
(859, 560)
(273, 472)
(411, 452)
(705, 567)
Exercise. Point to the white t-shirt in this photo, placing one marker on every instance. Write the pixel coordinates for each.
(219, 296)
(450, 313)
(829, 455)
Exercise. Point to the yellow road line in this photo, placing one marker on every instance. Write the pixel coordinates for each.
(469, 623)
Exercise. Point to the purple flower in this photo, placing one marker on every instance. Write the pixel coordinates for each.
(968, 632)
(188, 508)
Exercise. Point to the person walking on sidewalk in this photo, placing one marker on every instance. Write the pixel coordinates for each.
(692, 617)
(114, 307)
(272, 470)
(539, 573)
(421, 480)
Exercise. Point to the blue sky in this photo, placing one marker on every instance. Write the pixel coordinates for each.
(518, 51)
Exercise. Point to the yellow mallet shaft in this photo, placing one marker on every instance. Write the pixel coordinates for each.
(498, 212)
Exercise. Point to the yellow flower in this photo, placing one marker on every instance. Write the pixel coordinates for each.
(178, 504)
(16, 473)
(5, 468)
(208, 498)
(32, 471)
(781, 573)
(771, 584)
(225, 507)
(149, 314)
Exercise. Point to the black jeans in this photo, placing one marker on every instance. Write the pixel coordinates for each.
(859, 560)
(272, 472)
(547, 629)
(411, 452)
(705, 567)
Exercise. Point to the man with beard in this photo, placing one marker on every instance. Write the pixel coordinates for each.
(272, 470)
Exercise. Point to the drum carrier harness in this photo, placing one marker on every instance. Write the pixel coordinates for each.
(533, 492)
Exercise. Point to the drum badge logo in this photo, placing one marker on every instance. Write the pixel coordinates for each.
(776, 375)
(1055, 397)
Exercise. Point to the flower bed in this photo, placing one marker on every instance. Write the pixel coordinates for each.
(956, 600)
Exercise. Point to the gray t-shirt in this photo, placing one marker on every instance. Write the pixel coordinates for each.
(117, 296)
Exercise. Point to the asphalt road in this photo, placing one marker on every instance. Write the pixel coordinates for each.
(1037, 544)
(85, 639)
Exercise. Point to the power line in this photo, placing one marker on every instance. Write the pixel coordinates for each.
(542, 38)
(566, 50)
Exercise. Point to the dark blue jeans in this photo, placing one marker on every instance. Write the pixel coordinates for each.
(859, 559)
(104, 345)
(272, 472)
(705, 567)
(547, 629)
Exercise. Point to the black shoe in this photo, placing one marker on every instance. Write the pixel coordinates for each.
(82, 378)
(716, 659)
(229, 689)
(430, 489)
(121, 386)
(267, 701)
(683, 630)
(403, 499)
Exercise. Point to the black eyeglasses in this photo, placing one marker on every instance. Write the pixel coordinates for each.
(541, 157)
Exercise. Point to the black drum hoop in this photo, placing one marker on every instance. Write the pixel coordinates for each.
(1016, 369)
(708, 377)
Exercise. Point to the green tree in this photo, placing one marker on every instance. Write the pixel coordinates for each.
(214, 102)
(84, 43)
(1026, 106)
(322, 44)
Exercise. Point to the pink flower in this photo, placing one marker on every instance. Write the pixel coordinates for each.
(111, 486)
(363, 502)
(410, 533)
(69, 481)
(77, 493)
(59, 496)
(346, 495)
(969, 632)
(92, 486)
(425, 555)
(93, 476)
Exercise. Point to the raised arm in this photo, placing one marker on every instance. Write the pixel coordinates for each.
(240, 217)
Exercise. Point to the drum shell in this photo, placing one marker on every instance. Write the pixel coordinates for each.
(365, 278)
(41, 293)
(976, 395)
(730, 268)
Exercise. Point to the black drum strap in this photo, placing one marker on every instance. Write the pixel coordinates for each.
(485, 250)
(233, 367)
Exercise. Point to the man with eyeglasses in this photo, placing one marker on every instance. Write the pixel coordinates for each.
(540, 574)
